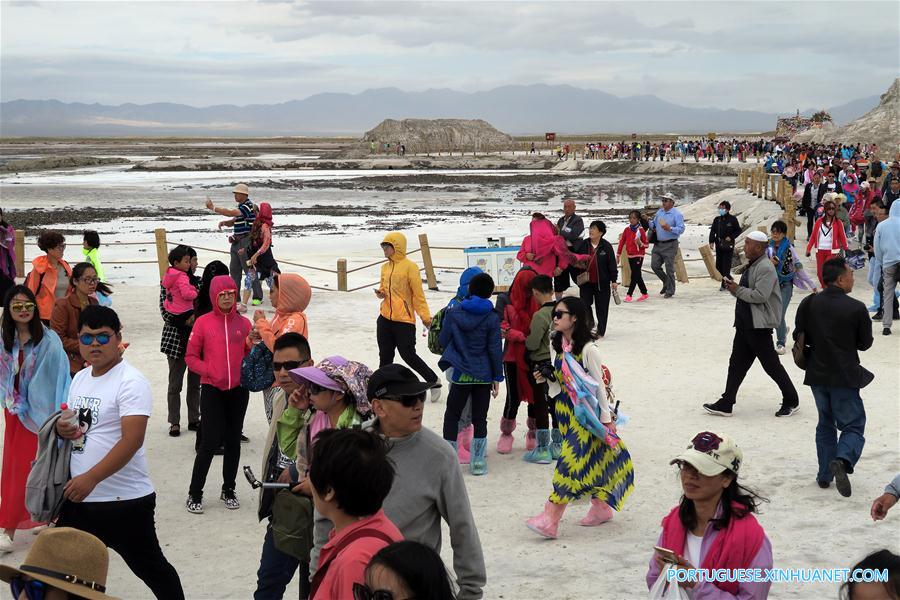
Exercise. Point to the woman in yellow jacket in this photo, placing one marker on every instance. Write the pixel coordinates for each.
(401, 299)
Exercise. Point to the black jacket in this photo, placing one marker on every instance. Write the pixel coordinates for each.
(724, 227)
(807, 202)
(576, 228)
(604, 260)
(836, 327)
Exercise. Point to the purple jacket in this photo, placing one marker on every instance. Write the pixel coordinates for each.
(707, 590)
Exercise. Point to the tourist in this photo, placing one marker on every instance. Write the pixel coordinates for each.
(887, 253)
(602, 273)
(180, 291)
(62, 563)
(110, 494)
(892, 176)
(276, 568)
(877, 215)
(543, 444)
(515, 327)
(831, 184)
(634, 242)
(841, 211)
(861, 209)
(34, 381)
(7, 256)
(828, 238)
(722, 235)
(173, 343)
(594, 461)
(50, 273)
(241, 220)
(713, 527)
(428, 484)
(887, 500)
(203, 304)
(835, 327)
(787, 265)
(350, 475)
(544, 250)
(405, 569)
(290, 295)
(260, 250)
(892, 191)
(473, 354)
(217, 345)
(64, 318)
(880, 561)
(667, 226)
(570, 227)
(402, 298)
(90, 247)
(757, 311)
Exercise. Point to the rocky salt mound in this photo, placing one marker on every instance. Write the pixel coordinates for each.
(423, 135)
(880, 125)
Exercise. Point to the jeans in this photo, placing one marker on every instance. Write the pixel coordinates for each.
(787, 292)
(396, 336)
(276, 570)
(840, 408)
(748, 345)
(664, 253)
(128, 527)
(238, 266)
(176, 381)
(223, 419)
(480, 395)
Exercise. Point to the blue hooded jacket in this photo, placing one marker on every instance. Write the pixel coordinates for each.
(462, 292)
(887, 238)
(470, 336)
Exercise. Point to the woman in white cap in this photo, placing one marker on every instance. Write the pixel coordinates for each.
(713, 526)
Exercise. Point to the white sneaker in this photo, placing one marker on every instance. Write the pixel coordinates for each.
(779, 349)
(435, 394)
(6, 544)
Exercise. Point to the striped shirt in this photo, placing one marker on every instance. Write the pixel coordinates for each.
(244, 223)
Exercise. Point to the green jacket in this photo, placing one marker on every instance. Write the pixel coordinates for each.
(538, 341)
(93, 256)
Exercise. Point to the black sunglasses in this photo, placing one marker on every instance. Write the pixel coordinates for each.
(362, 592)
(315, 388)
(34, 590)
(408, 400)
(290, 365)
(558, 314)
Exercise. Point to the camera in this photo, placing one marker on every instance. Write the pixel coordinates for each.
(546, 369)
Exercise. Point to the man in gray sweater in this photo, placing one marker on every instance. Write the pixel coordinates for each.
(428, 484)
(757, 311)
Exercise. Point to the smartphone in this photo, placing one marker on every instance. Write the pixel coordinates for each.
(667, 555)
(725, 277)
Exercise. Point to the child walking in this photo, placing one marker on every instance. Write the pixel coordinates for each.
(548, 443)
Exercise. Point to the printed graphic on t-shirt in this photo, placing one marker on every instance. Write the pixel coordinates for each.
(88, 409)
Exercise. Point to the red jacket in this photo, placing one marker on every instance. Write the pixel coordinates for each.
(838, 239)
(629, 240)
(218, 341)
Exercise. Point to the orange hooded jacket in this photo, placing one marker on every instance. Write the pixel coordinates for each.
(46, 296)
(294, 295)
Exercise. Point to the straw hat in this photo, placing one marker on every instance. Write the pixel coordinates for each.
(67, 559)
(241, 188)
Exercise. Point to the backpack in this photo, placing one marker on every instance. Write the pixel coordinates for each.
(49, 474)
(434, 332)
(292, 524)
(256, 369)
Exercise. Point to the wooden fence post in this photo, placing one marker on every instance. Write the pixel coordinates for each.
(710, 261)
(162, 251)
(426, 260)
(626, 269)
(342, 274)
(681, 274)
(20, 252)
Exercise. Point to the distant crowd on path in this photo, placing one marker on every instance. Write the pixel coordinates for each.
(354, 490)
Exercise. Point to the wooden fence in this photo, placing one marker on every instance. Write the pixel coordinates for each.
(771, 186)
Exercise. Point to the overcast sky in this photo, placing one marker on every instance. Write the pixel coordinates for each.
(771, 56)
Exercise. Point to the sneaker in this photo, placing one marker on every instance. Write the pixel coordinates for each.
(6, 544)
(628, 299)
(878, 316)
(643, 297)
(256, 302)
(718, 408)
(194, 505)
(886, 331)
(779, 349)
(839, 470)
(435, 393)
(787, 410)
(231, 501)
(244, 439)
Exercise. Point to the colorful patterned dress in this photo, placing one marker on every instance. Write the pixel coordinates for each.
(586, 465)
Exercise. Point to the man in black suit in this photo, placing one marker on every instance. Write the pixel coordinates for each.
(812, 196)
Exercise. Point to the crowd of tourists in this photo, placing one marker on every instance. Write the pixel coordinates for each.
(354, 491)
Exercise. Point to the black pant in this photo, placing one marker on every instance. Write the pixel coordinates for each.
(541, 408)
(597, 294)
(723, 261)
(177, 367)
(810, 221)
(751, 344)
(513, 399)
(637, 277)
(394, 335)
(223, 419)
(128, 527)
(456, 402)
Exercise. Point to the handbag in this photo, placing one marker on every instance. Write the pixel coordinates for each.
(666, 588)
(292, 524)
(256, 369)
(651, 236)
(583, 278)
(799, 350)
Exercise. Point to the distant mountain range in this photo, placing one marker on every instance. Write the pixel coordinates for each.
(516, 109)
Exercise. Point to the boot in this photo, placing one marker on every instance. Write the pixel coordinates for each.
(478, 466)
(530, 441)
(541, 455)
(599, 513)
(546, 523)
(555, 443)
(468, 433)
(505, 443)
(462, 451)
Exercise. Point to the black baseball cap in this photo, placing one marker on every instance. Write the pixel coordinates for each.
(395, 380)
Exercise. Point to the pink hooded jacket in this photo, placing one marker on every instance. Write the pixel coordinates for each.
(180, 293)
(218, 341)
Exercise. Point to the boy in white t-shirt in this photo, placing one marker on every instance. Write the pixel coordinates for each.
(110, 494)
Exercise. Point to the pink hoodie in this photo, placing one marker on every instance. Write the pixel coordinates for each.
(180, 293)
(218, 341)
